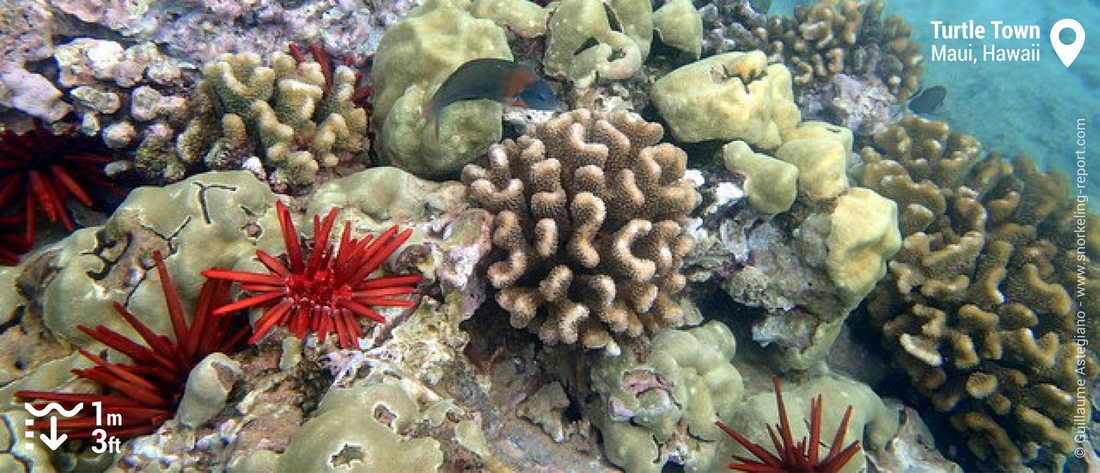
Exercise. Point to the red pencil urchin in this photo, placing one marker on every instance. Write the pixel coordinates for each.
(147, 392)
(12, 240)
(321, 57)
(329, 290)
(42, 170)
(800, 457)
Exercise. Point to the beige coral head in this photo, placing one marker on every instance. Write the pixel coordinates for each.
(588, 238)
(863, 237)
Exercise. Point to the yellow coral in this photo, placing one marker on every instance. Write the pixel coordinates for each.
(977, 305)
(864, 235)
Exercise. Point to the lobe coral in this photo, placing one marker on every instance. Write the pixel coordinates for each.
(147, 392)
(327, 291)
(41, 171)
(800, 457)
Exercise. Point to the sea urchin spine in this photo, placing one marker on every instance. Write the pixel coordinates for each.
(327, 291)
(42, 170)
(800, 457)
(147, 392)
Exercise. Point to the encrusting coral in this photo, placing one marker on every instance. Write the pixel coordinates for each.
(824, 39)
(145, 394)
(327, 291)
(299, 116)
(589, 227)
(659, 407)
(809, 268)
(42, 171)
(363, 428)
(977, 307)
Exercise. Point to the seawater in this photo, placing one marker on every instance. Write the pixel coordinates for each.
(1039, 108)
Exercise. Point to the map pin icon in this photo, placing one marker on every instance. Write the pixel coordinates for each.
(1067, 52)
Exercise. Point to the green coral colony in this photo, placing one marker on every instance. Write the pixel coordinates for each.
(608, 275)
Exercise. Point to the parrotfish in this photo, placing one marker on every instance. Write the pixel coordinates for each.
(507, 82)
(928, 100)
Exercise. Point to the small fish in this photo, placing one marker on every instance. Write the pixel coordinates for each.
(507, 82)
(928, 100)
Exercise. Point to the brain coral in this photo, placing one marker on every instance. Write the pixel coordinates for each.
(978, 305)
(588, 234)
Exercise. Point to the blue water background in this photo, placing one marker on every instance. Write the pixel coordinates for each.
(1016, 108)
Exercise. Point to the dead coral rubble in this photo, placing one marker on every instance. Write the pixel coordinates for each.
(977, 306)
(823, 39)
(589, 227)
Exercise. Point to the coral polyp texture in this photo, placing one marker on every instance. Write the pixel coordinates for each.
(977, 306)
(327, 290)
(299, 116)
(791, 456)
(822, 40)
(41, 171)
(589, 232)
(146, 392)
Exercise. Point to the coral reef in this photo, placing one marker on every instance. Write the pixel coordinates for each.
(813, 261)
(977, 306)
(802, 456)
(327, 292)
(769, 183)
(821, 40)
(301, 116)
(869, 421)
(220, 220)
(589, 228)
(734, 96)
(612, 54)
(41, 170)
(362, 428)
(660, 407)
(145, 393)
(414, 58)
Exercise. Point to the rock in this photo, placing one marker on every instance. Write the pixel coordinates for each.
(119, 135)
(96, 99)
(145, 103)
(207, 389)
(33, 94)
(84, 60)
